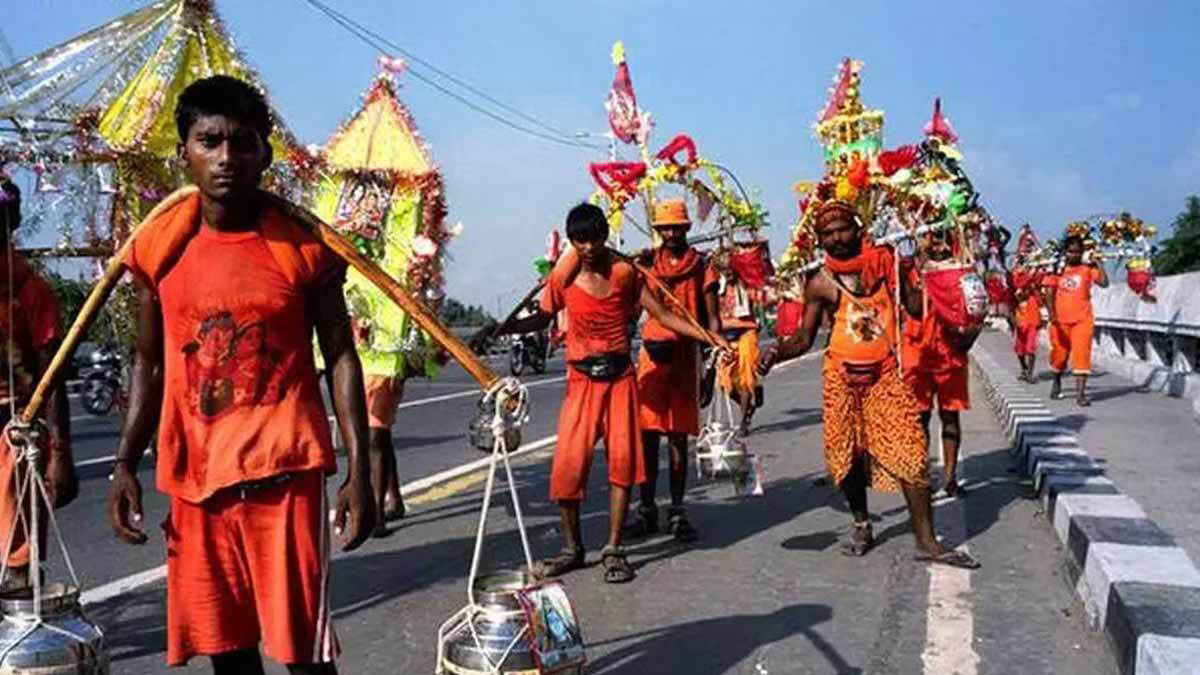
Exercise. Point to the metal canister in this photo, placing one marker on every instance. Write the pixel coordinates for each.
(504, 644)
(59, 641)
(479, 430)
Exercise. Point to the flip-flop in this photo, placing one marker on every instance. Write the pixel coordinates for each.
(951, 558)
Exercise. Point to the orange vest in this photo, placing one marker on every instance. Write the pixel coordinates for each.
(864, 327)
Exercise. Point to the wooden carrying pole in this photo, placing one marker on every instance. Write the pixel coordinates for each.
(393, 289)
(95, 300)
(676, 305)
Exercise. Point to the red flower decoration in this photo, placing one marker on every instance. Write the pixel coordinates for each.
(859, 174)
(671, 150)
(902, 157)
(617, 179)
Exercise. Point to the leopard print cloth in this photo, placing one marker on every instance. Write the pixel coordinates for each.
(882, 420)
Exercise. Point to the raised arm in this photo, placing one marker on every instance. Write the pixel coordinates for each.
(355, 509)
(1102, 278)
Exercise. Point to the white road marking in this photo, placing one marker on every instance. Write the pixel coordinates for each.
(950, 613)
(123, 585)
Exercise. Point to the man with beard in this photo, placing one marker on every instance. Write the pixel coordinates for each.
(603, 295)
(935, 364)
(1072, 323)
(668, 368)
(873, 431)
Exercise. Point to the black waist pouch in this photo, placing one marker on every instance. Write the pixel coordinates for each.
(604, 367)
(660, 351)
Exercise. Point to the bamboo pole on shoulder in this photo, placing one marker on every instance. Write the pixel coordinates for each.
(91, 307)
(393, 289)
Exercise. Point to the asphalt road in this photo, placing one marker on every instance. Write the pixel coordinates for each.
(764, 591)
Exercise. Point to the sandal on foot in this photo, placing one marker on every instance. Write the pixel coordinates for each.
(1056, 391)
(616, 566)
(645, 523)
(959, 559)
(862, 540)
(1083, 401)
(568, 560)
(680, 527)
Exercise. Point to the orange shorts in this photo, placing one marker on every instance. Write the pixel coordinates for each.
(241, 571)
(383, 400)
(952, 388)
(594, 410)
(1073, 340)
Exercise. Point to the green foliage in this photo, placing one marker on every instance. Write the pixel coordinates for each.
(1181, 251)
(71, 294)
(454, 313)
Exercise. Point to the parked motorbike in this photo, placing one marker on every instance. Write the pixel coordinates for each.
(102, 382)
(528, 350)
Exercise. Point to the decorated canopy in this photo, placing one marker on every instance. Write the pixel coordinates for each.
(382, 191)
(94, 116)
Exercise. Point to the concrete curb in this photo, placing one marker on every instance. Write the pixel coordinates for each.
(1135, 583)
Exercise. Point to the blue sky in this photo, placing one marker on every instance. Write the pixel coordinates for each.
(1064, 108)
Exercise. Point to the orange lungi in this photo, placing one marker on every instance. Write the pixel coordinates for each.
(241, 569)
(741, 372)
(669, 392)
(1073, 340)
(594, 410)
(880, 421)
(951, 387)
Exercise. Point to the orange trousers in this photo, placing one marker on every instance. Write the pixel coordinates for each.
(593, 410)
(249, 567)
(1073, 341)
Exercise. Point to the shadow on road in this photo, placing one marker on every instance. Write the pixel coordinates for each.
(720, 644)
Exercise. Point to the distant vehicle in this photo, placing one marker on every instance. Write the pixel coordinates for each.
(528, 350)
(102, 382)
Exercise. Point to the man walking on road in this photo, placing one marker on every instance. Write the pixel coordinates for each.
(603, 295)
(668, 369)
(230, 291)
(873, 431)
(1071, 320)
(935, 363)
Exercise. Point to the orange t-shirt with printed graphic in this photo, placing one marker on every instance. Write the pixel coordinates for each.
(597, 325)
(1073, 293)
(241, 399)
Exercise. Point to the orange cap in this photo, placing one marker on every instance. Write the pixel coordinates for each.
(670, 212)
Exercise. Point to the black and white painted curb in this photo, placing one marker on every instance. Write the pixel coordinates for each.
(1135, 583)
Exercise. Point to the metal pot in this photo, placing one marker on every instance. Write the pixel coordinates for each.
(62, 640)
(498, 620)
(479, 430)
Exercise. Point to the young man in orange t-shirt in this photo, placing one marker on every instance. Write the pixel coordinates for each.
(230, 291)
(603, 296)
(29, 318)
(668, 369)
(1071, 320)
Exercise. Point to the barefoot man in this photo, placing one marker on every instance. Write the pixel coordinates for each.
(873, 431)
(668, 371)
(603, 295)
(230, 291)
(1072, 322)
